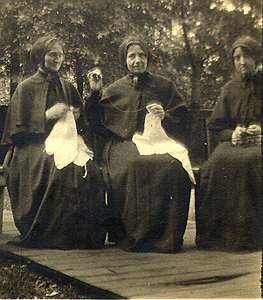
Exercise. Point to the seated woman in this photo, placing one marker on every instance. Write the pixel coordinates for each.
(55, 187)
(148, 188)
(228, 201)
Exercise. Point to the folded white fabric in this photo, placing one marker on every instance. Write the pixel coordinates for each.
(154, 140)
(65, 144)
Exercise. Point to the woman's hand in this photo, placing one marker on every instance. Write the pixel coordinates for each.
(56, 111)
(76, 112)
(238, 134)
(95, 79)
(156, 109)
(254, 130)
(246, 135)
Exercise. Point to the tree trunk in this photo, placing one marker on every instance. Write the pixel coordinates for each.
(79, 76)
(195, 80)
(15, 77)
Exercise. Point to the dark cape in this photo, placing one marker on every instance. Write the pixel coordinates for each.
(53, 208)
(228, 200)
(148, 195)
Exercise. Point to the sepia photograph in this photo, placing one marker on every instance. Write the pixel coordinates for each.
(130, 149)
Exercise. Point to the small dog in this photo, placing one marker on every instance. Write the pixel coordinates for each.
(95, 79)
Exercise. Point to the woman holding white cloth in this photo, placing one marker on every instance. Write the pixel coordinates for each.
(54, 185)
(148, 193)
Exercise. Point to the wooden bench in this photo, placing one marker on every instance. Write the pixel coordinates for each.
(202, 142)
(3, 151)
(2, 186)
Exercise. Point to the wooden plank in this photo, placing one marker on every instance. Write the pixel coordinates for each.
(149, 269)
(188, 274)
(126, 265)
(123, 261)
(159, 285)
(120, 284)
(170, 276)
(242, 287)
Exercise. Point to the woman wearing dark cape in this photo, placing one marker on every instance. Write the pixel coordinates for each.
(55, 187)
(148, 186)
(229, 199)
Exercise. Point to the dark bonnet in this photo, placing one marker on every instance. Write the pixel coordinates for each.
(131, 41)
(40, 48)
(249, 43)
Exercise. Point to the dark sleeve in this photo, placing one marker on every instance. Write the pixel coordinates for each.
(15, 133)
(76, 102)
(94, 114)
(220, 120)
(176, 115)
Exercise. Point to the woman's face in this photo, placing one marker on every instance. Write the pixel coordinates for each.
(244, 61)
(54, 57)
(136, 59)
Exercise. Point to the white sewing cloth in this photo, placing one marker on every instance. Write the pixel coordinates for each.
(155, 141)
(65, 144)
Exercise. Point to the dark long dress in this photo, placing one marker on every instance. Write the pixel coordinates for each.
(148, 195)
(228, 201)
(54, 208)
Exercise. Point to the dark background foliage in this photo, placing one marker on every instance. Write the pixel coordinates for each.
(189, 39)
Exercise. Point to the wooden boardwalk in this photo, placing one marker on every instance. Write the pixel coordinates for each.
(189, 274)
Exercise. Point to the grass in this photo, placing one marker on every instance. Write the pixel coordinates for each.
(22, 279)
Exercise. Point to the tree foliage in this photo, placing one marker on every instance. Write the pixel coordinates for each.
(189, 39)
